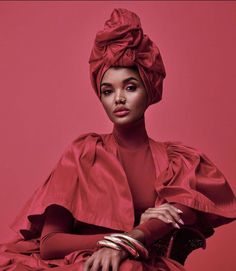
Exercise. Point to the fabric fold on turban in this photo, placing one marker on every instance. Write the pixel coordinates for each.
(123, 43)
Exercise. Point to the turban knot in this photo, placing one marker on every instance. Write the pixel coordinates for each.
(123, 43)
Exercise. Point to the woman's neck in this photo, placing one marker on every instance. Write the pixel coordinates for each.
(131, 136)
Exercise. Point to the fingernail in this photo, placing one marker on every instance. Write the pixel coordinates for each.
(179, 211)
(169, 221)
(181, 221)
(177, 226)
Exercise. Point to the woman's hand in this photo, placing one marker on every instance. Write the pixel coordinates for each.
(165, 212)
(104, 258)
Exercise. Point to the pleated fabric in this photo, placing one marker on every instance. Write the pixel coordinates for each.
(89, 176)
(122, 43)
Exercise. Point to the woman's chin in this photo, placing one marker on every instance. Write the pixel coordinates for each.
(123, 121)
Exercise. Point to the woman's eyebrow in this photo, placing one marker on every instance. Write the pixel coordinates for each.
(124, 81)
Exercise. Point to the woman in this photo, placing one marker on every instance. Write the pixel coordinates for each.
(122, 201)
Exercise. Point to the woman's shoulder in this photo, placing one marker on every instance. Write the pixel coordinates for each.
(178, 150)
(90, 137)
(86, 141)
(174, 150)
(85, 137)
(181, 148)
(173, 146)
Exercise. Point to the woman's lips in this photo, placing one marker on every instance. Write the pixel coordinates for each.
(121, 113)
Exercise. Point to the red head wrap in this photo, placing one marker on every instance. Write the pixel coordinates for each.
(122, 43)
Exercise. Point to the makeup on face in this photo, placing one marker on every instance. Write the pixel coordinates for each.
(123, 95)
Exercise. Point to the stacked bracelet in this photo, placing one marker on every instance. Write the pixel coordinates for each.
(105, 243)
(120, 241)
(128, 247)
(143, 252)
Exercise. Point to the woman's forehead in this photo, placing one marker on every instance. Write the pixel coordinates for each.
(117, 74)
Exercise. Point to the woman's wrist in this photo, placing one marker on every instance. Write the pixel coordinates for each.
(137, 234)
(131, 242)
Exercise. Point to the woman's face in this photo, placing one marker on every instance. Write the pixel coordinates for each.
(123, 95)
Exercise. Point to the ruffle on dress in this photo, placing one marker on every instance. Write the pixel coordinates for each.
(90, 182)
(193, 180)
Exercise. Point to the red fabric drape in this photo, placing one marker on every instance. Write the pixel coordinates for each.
(122, 43)
(89, 176)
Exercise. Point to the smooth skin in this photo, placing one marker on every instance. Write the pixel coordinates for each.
(123, 86)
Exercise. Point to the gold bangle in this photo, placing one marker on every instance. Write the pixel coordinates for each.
(126, 245)
(105, 243)
(143, 252)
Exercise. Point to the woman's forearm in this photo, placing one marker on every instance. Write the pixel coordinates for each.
(57, 245)
(154, 229)
(57, 242)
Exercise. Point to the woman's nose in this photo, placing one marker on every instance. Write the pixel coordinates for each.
(120, 97)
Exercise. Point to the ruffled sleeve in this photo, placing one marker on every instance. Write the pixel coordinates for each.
(192, 179)
(84, 181)
(59, 188)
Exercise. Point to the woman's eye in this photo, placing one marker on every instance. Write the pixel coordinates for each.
(131, 88)
(106, 91)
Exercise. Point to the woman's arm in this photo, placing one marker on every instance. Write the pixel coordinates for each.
(149, 231)
(57, 239)
(156, 225)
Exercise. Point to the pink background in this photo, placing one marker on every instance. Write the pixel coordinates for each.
(47, 101)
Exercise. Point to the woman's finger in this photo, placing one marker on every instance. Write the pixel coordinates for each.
(105, 265)
(176, 209)
(172, 209)
(166, 205)
(163, 217)
(115, 264)
(166, 210)
(168, 213)
(176, 216)
(105, 258)
(88, 264)
(96, 265)
(143, 218)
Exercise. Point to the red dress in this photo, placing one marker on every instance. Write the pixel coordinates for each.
(96, 174)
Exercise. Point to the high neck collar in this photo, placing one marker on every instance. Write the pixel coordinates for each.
(132, 136)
